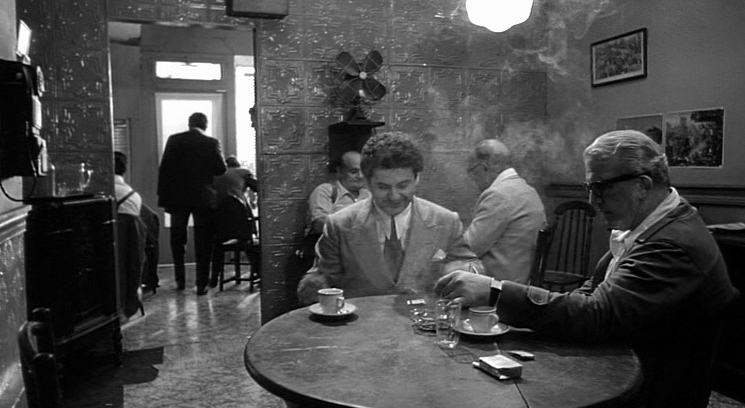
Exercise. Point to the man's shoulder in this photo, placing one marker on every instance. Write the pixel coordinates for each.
(352, 212)
(426, 207)
(322, 189)
(191, 136)
(514, 189)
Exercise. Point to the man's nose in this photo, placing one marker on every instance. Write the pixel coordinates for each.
(395, 194)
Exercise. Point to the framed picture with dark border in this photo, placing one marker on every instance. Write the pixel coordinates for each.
(619, 58)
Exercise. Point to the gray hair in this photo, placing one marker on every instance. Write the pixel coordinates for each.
(492, 151)
(636, 152)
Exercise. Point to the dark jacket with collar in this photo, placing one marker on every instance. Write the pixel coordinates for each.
(666, 298)
(190, 161)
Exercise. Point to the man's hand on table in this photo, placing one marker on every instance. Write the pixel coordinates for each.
(469, 289)
(307, 292)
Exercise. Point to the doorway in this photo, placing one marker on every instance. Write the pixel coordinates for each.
(157, 106)
(173, 109)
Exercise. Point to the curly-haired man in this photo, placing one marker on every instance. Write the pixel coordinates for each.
(389, 242)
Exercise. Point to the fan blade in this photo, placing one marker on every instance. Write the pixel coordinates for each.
(349, 90)
(348, 64)
(373, 88)
(373, 62)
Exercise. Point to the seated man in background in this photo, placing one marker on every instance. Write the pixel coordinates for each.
(663, 280)
(328, 198)
(391, 242)
(235, 181)
(131, 238)
(128, 201)
(508, 215)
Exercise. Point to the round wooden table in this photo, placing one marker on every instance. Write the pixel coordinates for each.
(376, 358)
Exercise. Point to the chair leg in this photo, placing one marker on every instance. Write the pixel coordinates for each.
(237, 266)
(221, 270)
(255, 276)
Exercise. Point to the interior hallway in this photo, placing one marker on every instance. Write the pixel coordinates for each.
(187, 352)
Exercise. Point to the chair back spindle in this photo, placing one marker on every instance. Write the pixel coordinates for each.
(563, 248)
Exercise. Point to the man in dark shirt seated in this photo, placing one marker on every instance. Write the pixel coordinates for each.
(235, 181)
(663, 286)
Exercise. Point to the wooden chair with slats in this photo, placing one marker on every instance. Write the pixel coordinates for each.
(562, 257)
(236, 235)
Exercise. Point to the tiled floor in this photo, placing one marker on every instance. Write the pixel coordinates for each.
(199, 341)
(187, 351)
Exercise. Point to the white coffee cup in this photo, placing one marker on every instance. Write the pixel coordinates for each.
(482, 318)
(331, 300)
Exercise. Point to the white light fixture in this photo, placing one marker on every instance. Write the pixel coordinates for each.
(498, 15)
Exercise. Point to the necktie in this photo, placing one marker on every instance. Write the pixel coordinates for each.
(393, 251)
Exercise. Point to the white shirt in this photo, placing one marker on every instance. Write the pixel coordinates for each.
(622, 241)
(383, 222)
(132, 204)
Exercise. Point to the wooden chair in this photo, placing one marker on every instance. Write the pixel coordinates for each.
(562, 255)
(236, 234)
(38, 362)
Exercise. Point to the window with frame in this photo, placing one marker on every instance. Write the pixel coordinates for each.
(195, 71)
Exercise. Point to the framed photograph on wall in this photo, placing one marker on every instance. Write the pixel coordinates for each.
(695, 138)
(619, 58)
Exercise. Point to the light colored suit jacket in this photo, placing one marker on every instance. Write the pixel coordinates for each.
(505, 226)
(348, 255)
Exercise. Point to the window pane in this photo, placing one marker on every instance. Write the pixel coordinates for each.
(201, 71)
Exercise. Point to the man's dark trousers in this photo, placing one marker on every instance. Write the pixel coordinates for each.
(203, 234)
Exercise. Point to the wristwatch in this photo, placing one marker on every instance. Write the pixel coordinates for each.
(495, 288)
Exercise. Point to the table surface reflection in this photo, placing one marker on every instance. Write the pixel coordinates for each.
(376, 358)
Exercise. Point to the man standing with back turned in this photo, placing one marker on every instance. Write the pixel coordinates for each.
(190, 160)
(663, 286)
(508, 215)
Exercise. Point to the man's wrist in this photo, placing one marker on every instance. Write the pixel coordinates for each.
(495, 289)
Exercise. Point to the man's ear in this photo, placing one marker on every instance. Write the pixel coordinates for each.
(647, 184)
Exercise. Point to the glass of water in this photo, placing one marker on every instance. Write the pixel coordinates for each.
(447, 318)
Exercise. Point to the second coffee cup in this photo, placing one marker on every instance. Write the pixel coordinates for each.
(331, 300)
(482, 318)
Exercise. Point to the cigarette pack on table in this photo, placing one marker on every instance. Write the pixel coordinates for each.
(500, 366)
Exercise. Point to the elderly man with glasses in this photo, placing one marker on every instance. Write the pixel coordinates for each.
(663, 286)
(507, 217)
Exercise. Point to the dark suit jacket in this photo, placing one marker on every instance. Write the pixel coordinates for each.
(666, 298)
(190, 160)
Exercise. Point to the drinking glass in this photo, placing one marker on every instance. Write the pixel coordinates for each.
(447, 318)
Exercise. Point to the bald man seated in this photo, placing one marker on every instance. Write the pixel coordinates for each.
(329, 198)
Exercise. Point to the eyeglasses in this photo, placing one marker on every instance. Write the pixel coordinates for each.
(472, 168)
(597, 188)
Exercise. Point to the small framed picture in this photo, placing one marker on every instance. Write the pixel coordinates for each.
(620, 58)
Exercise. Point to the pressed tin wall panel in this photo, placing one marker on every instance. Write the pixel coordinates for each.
(12, 298)
(71, 44)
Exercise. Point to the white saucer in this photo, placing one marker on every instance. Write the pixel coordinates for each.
(499, 328)
(347, 310)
